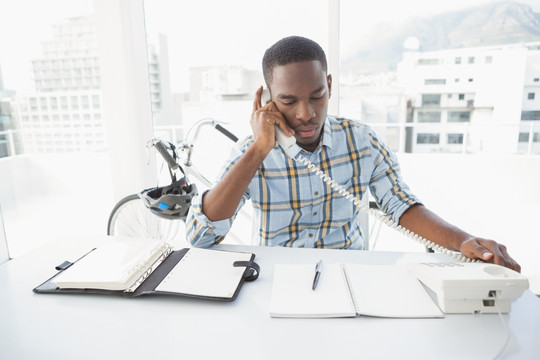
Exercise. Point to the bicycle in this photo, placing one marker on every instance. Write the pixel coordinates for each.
(153, 213)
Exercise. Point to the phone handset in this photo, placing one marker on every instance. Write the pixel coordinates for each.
(286, 142)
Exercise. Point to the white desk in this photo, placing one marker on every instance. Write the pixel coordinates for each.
(47, 326)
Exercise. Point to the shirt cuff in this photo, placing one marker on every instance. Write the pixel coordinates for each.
(218, 228)
(396, 215)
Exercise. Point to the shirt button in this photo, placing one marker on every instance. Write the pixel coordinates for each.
(316, 193)
(310, 235)
(315, 213)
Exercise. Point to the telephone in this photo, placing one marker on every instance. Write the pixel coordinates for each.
(470, 288)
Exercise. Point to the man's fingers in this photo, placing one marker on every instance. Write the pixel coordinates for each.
(490, 251)
(285, 128)
(257, 101)
(500, 254)
(474, 250)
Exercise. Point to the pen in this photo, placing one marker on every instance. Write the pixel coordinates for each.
(318, 270)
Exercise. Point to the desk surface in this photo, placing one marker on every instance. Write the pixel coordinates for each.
(34, 326)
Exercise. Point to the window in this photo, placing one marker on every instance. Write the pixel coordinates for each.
(489, 59)
(431, 99)
(523, 137)
(429, 116)
(427, 138)
(457, 60)
(530, 115)
(530, 96)
(470, 79)
(461, 96)
(471, 60)
(454, 138)
(459, 116)
(434, 81)
(536, 79)
(428, 62)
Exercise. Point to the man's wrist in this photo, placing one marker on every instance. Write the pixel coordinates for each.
(258, 151)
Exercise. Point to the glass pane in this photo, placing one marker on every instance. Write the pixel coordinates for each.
(455, 138)
(459, 116)
(523, 137)
(429, 116)
(427, 138)
(431, 99)
(213, 62)
(530, 115)
(4, 252)
(58, 183)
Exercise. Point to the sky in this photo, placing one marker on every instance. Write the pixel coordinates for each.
(207, 32)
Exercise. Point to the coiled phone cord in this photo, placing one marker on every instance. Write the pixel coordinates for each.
(387, 221)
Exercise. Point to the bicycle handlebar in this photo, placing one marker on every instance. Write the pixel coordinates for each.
(226, 132)
(173, 165)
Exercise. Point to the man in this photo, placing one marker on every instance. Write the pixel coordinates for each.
(293, 206)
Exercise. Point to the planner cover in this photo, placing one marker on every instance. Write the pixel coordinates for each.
(192, 272)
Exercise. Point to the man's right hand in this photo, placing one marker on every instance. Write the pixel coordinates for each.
(263, 119)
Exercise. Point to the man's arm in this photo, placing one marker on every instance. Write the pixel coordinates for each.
(222, 201)
(427, 224)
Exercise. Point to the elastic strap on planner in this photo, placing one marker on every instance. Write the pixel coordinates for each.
(254, 269)
(64, 265)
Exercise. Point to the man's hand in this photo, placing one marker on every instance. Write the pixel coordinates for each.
(488, 251)
(263, 119)
(429, 225)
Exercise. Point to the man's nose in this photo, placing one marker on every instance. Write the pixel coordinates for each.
(305, 111)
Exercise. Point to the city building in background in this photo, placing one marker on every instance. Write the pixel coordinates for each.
(64, 114)
(482, 99)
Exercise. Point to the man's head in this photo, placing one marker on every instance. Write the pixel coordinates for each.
(290, 50)
(295, 71)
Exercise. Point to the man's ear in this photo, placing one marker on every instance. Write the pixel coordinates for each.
(329, 81)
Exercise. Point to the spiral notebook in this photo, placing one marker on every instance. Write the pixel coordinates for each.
(137, 268)
(349, 290)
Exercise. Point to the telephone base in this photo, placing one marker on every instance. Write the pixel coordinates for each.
(472, 306)
(465, 288)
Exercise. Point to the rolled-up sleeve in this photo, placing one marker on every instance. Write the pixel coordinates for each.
(202, 232)
(391, 193)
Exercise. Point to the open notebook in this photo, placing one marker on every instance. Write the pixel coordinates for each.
(136, 268)
(349, 290)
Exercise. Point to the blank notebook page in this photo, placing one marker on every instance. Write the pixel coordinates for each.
(293, 296)
(389, 291)
(204, 272)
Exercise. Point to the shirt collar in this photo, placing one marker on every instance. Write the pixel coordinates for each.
(327, 133)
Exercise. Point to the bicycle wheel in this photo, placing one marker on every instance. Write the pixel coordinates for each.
(131, 218)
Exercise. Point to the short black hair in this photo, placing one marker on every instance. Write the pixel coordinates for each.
(290, 50)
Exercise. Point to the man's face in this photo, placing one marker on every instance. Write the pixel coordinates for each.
(301, 92)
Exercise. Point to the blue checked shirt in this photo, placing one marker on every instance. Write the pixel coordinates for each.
(295, 207)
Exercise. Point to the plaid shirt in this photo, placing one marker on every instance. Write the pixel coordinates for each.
(295, 207)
